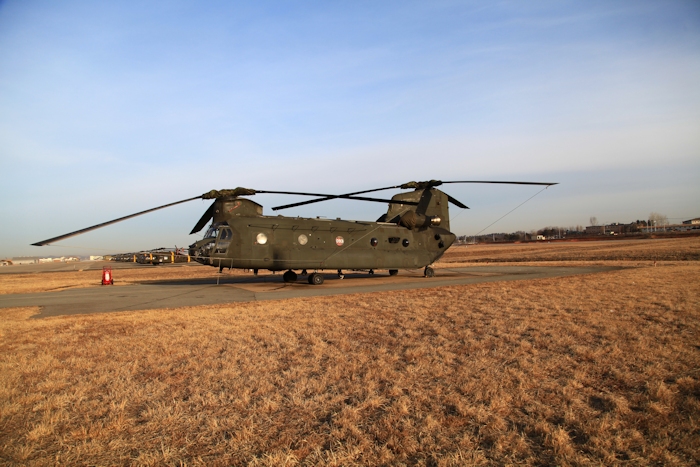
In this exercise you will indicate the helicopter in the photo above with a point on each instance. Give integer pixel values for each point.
(412, 234)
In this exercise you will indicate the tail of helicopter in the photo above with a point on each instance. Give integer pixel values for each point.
(428, 207)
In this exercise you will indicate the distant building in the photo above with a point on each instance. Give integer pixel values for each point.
(611, 229)
(25, 260)
(695, 221)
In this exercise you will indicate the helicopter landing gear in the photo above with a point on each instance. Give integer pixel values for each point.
(371, 272)
(289, 276)
(255, 271)
(303, 272)
(429, 272)
(316, 278)
(340, 274)
(393, 272)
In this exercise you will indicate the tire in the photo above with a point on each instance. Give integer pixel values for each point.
(289, 276)
(316, 279)
(393, 272)
(429, 272)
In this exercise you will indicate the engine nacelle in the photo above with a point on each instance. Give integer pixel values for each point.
(412, 220)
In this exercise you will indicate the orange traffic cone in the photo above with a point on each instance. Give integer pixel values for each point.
(107, 278)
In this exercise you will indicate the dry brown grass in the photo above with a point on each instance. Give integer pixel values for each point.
(599, 369)
(644, 250)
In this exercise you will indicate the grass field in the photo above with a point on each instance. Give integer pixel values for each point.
(629, 251)
(599, 369)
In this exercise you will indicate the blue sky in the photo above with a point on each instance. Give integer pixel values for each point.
(112, 108)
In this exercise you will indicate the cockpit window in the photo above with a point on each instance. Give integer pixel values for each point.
(224, 240)
(226, 234)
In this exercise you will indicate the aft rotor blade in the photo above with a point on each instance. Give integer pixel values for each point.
(325, 196)
(104, 224)
(456, 202)
(504, 183)
(347, 196)
(329, 197)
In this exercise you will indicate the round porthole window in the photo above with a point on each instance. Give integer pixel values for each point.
(261, 238)
(374, 242)
(405, 242)
(303, 239)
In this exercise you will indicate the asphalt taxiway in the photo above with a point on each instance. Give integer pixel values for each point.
(240, 288)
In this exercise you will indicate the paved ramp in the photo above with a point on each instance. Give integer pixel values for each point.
(194, 292)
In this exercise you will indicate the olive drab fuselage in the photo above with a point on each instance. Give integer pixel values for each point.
(407, 236)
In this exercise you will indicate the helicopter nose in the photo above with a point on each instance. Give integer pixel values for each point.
(201, 251)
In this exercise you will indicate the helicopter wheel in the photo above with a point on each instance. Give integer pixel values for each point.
(289, 276)
(316, 279)
(429, 272)
(393, 272)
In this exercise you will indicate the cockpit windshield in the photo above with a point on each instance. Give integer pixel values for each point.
(213, 231)
(224, 239)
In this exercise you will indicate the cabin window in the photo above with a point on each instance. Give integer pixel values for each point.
(374, 242)
(261, 239)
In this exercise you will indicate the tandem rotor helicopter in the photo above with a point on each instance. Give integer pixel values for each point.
(414, 232)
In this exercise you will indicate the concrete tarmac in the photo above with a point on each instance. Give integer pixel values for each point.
(194, 292)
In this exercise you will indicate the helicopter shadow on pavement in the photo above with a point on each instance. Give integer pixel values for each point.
(270, 282)
(276, 279)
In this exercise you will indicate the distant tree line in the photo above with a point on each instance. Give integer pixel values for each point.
(556, 232)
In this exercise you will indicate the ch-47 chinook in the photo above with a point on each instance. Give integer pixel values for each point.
(414, 232)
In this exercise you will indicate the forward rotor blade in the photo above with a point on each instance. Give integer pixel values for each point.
(104, 224)
(208, 214)
(293, 193)
(302, 203)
